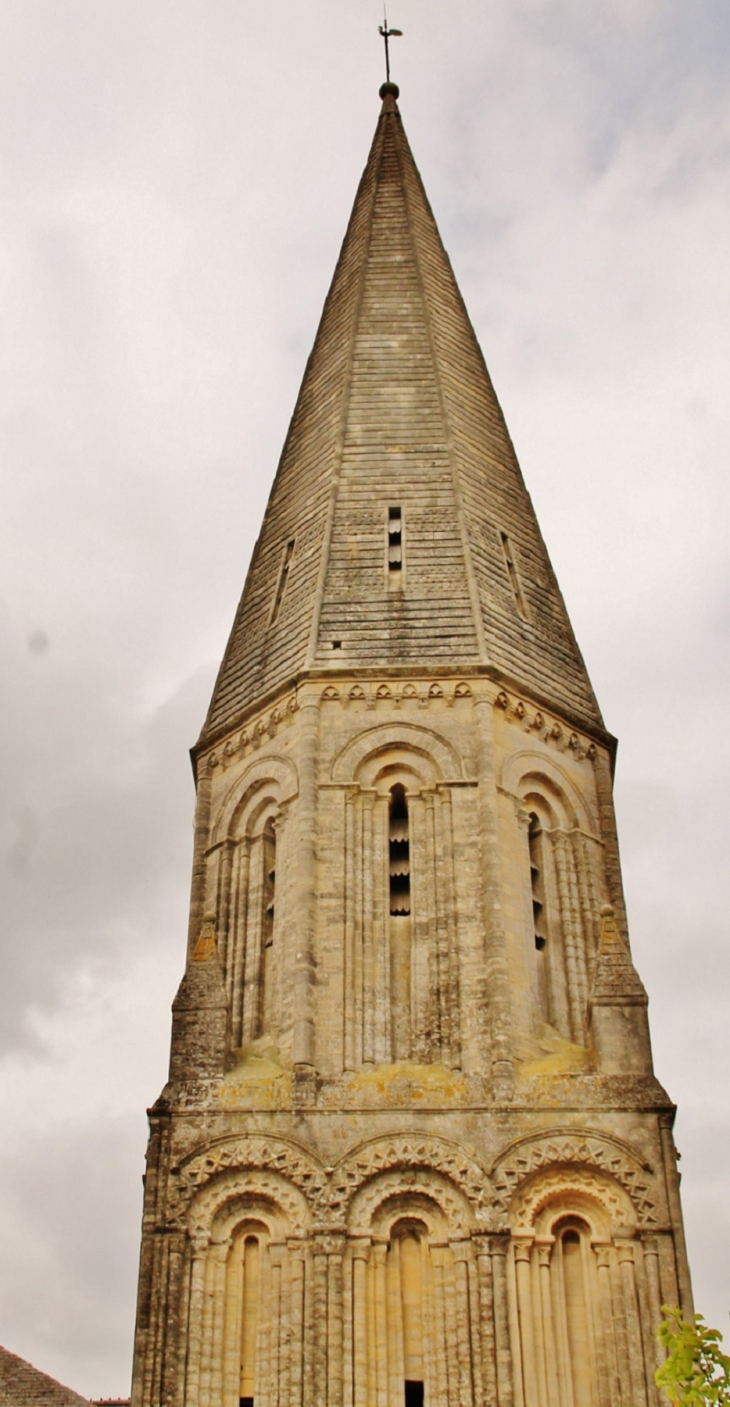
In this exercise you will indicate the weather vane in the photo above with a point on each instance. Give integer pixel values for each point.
(388, 34)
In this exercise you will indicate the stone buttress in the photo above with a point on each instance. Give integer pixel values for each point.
(412, 1150)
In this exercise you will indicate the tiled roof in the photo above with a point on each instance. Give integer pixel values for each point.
(22, 1385)
(397, 409)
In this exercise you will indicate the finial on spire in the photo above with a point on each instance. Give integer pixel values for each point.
(388, 34)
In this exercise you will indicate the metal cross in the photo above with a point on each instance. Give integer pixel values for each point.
(388, 34)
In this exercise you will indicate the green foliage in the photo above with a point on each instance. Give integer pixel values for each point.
(696, 1372)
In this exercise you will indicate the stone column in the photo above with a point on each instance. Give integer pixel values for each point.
(277, 1353)
(232, 1328)
(351, 995)
(297, 1311)
(368, 934)
(321, 1374)
(463, 1323)
(335, 1365)
(610, 1377)
(194, 1327)
(452, 986)
(267, 1327)
(571, 939)
(381, 989)
(166, 1381)
(252, 994)
(157, 1322)
(503, 1352)
(625, 1252)
(590, 903)
(360, 1254)
(224, 905)
(424, 940)
(486, 1316)
(651, 1313)
(183, 1329)
(432, 902)
(452, 1337)
(440, 1393)
(238, 955)
(543, 1251)
(380, 1321)
(523, 1256)
(306, 872)
(218, 1256)
(497, 993)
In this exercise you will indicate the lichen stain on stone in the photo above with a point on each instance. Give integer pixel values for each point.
(255, 1080)
(559, 1057)
(405, 1082)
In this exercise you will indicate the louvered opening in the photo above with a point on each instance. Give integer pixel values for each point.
(269, 885)
(534, 834)
(395, 540)
(399, 853)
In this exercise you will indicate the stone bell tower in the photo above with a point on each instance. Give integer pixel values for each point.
(411, 1150)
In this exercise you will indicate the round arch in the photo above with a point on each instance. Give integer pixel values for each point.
(529, 770)
(362, 757)
(275, 774)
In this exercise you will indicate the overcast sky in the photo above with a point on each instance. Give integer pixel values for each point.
(175, 181)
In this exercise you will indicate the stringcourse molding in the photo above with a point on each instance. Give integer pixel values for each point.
(258, 729)
(550, 730)
(424, 693)
(570, 1150)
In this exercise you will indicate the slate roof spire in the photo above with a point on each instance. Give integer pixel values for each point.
(397, 411)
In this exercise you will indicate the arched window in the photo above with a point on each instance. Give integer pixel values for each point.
(564, 886)
(251, 921)
(415, 1302)
(401, 949)
(572, 1266)
(562, 899)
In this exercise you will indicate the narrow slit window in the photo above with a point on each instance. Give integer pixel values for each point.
(395, 540)
(512, 573)
(399, 853)
(281, 586)
(535, 842)
(269, 885)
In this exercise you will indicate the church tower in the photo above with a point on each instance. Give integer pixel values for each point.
(411, 1152)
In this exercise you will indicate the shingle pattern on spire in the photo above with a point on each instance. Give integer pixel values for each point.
(22, 1385)
(396, 408)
